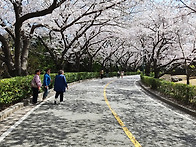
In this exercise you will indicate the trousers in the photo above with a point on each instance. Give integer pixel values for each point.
(45, 92)
(35, 94)
(61, 95)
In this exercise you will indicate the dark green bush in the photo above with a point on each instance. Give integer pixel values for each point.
(14, 90)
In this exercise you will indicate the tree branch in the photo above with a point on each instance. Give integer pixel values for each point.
(44, 12)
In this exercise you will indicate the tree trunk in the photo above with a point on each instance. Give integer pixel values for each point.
(90, 65)
(77, 64)
(156, 70)
(147, 69)
(24, 56)
(7, 57)
(17, 40)
(187, 76)
(156, 73)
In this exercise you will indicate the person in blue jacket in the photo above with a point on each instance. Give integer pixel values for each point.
(60, 85)
(46, 83)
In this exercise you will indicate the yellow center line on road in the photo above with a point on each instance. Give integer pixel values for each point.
(128, 133)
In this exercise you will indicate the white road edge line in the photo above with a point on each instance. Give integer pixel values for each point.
(2, 137)
(162, 104)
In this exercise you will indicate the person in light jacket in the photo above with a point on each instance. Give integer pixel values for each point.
(60, 85)
(46, 83)
(38, 83)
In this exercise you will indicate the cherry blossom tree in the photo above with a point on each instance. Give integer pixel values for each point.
(186, 34)
(157, 39)
(15, 20)
(68, 34)
(190, 5)
(89, 47)
(66, 41)
(186, 38)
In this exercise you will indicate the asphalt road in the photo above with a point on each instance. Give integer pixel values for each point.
(90, 116)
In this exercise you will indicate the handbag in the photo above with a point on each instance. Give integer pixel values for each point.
(33, 84)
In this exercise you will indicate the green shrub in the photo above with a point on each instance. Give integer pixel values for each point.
(181, 92)
(14, 89)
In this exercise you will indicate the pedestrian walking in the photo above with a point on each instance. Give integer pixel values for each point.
(46, 83)
(60, 85)
(118, 74)
(36, 85)
(122, 74)
(102, 74)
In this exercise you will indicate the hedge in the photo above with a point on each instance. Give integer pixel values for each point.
(181, 92)
(16, 89)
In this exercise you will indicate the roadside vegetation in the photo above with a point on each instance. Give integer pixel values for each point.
(180, 93)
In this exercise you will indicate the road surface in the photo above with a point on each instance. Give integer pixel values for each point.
(107, 112)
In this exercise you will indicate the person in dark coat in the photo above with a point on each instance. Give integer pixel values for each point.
(60, 85)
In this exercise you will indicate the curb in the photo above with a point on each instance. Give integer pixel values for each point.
(169, 102)
(8, 111)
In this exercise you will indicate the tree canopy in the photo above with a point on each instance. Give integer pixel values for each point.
(158, 36)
